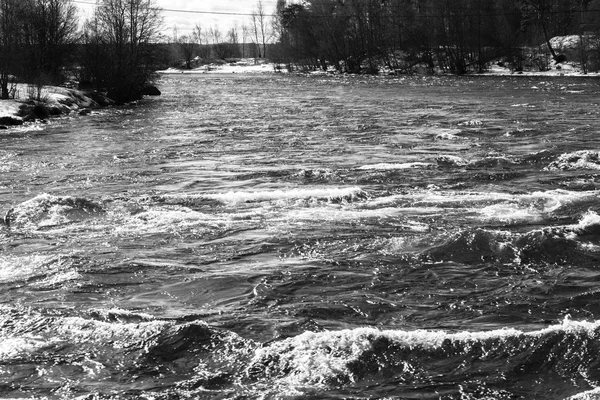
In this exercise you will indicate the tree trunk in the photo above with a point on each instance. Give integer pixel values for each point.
(5, 92)
(554, 56)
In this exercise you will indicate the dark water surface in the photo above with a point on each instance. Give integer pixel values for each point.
(282, 237)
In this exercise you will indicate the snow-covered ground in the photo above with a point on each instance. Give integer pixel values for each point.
(9, 108)
(244, 66)
(66, 100)
(562, 69)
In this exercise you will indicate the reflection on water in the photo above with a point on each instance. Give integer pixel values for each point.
(306, 237)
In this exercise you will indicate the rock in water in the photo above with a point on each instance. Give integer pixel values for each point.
(151, 91)
(9, 121)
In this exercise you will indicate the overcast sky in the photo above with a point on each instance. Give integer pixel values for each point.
(185, 14)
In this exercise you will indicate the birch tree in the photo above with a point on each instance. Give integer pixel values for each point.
(260, 27)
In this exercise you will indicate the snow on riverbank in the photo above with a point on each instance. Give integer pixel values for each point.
(55, 100)
(9, 108)
(244, 66)
(248, 67)
(563, 45)
(563, 69)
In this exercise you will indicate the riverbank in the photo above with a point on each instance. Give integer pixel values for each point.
(243, 66)
(564, 69)
(52, 101)
(250, 66)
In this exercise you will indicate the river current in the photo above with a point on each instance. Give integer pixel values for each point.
(307, 237)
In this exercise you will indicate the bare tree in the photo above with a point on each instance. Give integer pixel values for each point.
(126, 31)
(260, 26)
(9, 29)
(50, 31)
(233, 38)
(188, 48)
(219, 48)
(200, 36)
(215, 35)
(197, 34)
(245, 36)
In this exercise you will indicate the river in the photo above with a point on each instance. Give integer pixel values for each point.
(307, 237)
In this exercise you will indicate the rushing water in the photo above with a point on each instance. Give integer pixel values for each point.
(307, 237)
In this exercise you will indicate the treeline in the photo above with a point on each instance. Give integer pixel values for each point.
(457, 36)
(42, 43)
(36, 39)
(119, 48)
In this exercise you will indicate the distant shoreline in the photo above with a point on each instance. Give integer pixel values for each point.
(248, 67)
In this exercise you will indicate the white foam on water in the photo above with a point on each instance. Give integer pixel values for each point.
(315, 358)
(166, 219)
(323, 173)
(18, 268)
(343, 214)
(13, 347)
(121, 335)
(471, 123)
(447, 136)
(588, 220)
(593, 394)
(538, 202)
(510, 214)
(404, 244)
(582, 159)
(122, 313)
(327, 193)
(8, 166)
(49, 211)
(441, 198)
(60, 278)
(449, 160)
(33, 209)
(399, 166)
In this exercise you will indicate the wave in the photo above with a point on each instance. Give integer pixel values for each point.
(582, 159)
(543, 201)
(451, 161)
(400, 166)
(104, 344)
(485, 162)
(559, 244)
(593, 394)
(328, 194)
(317, 175)
(40, 271)
(349, 356)
(332, 195)
(46, 210)
(195, 358)
(165, 219)
(588, 224)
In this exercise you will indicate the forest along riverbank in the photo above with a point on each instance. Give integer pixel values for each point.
(307, 237)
